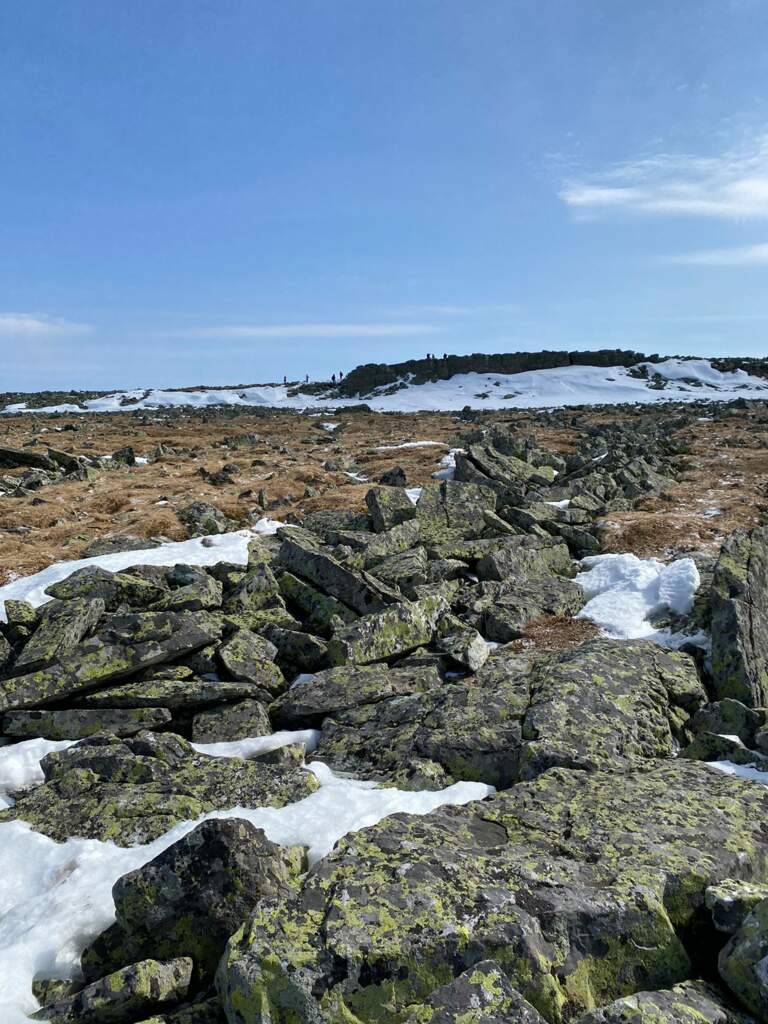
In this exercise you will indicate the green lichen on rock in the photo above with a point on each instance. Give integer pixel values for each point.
(577, 884)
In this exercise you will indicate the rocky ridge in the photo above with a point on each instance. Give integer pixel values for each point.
(612, 875)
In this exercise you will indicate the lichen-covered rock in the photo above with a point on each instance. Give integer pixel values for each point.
(405, 570)
(188, 900)
(577, 884)
(170, 693)
(503, 609)
(125, 996)
(202, 519)
(298, 651)
(481, 995)
(743, 962)
(453, 509)
(75, 724)
(201, 595)
(729, 717)
(347, 686)
(739, 600)
(62, 625)
(302, 556)
(235, 721)
(114, 589)
(258, 588)
(389, 506)
(691, 1002)
(133, 790)
(462, 643)
(249, 658)
(731, 901)
(320, 613)
(396, 630)
(525, 556)
(127, 644)
(607, 703)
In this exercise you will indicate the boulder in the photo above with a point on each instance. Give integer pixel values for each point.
(226, 722)
(739, 600)
(75, 724)
(188, 900)
(303, 557)
(388, 507)
(396, 630)
(202, 519)
(133, 790)
(480, 995)
(731, 901)
(580, 883)
(742, 962)
(127, 644)
(249, 658)
(306, 704)
(319, 612)
(691, 1002)
(525, 556)
(125, 996)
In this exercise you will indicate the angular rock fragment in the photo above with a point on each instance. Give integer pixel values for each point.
(739, 600)
(125, 996)
(301, 555)
(133, 790)
(742, 962)
(170, 693)
(62, 625)
(248, 657)
(481, 995)
(76, 724)
(525, 556)
(127, 644)
(204, 594)
(398, 629)
(236, 721)
(188, 900)
(337, 689)
(319, 612)
(389, 506)
(691, 1002)
(731, 901)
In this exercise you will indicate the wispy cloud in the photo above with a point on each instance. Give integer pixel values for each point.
(454, 311)
(732, 185)
(246, 331)
(33, 325)
(732, 256)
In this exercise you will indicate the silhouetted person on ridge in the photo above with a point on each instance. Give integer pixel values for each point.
(333, 378)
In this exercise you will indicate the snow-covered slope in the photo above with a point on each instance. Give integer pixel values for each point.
(670, 380)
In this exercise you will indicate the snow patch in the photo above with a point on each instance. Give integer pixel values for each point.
(624, 591)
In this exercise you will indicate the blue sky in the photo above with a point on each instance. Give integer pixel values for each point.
(224, 191)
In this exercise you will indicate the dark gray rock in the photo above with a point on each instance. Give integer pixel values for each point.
(76, 724)
(739, 600)
(125, 996)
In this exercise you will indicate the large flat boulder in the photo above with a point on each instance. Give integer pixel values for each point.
(580, 883)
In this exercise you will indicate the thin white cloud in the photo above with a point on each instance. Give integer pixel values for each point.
(245, 331)
(37, 325)
(733, 256)
(454, 311)
(733, 185)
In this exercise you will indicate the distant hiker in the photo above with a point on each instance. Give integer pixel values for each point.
(285, 379)
(341, 375)
(445, 357)
(306, 378)
(333, 378)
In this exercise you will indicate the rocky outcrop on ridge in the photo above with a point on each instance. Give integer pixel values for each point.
(613, 875)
